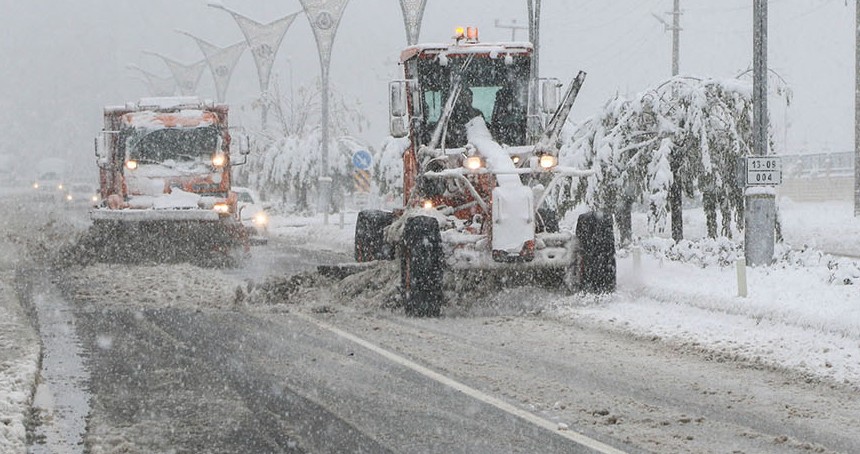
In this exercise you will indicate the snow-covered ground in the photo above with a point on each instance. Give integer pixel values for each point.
(799, 314)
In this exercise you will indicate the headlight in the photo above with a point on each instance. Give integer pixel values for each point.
(261, 219)
(35, 185)
(428, 204)
(69, 197)
(95, 198)
(473, 163)
(548, 161)
(59, 187)
(515, 159)
(221, 208)
(219, 159)
(131, 164)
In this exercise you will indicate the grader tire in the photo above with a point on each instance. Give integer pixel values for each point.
(421, 267)
(369, 236)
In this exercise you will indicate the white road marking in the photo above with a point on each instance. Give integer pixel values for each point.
(471, 392)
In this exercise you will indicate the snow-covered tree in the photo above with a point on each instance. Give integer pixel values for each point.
(285, 159)
(388, 166)
(681, 137)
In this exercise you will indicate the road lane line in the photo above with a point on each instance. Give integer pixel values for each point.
(576, 437)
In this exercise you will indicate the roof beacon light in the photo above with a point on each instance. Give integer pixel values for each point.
(459, 33)
(472, 34)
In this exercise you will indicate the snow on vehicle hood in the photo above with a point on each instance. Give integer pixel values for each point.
(496, 157)
(160, 120)
(177, 199)
(513, 202)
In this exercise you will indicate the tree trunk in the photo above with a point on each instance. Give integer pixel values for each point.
(676, 199)
(624, 221)
(726, 211)
(709, 204)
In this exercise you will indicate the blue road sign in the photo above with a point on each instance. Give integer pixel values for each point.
(362, 160)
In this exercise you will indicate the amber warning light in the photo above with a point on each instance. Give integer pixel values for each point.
(468, 33)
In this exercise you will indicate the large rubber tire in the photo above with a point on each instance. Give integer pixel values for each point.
(597, 249)
(421, 267)
(370, 241)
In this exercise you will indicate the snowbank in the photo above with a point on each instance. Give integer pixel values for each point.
(19, 359)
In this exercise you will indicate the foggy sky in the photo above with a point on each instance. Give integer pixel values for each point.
(62, 61)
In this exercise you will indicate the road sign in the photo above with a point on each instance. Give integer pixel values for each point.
(362, 160)
(362, 181)
(764, 170)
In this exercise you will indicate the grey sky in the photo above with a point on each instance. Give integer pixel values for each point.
(64, 60)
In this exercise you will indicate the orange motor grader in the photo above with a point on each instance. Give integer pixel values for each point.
(482, 158)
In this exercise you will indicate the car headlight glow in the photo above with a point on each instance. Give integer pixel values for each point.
(515, 159)
(219, 159)
(95, 198)
(69, 197)
(131, 164)
(428, 204)
(35, 185)
(261, 219)
(60, 187)
(548, 161)
(221, 208)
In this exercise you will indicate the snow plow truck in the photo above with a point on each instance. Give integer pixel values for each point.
(482, 159)
(164, 183)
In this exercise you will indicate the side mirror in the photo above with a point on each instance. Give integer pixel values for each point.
(398, 108)
(397, 105)
(550, 95)
(244, 145)
(398, 128)
(102, 147)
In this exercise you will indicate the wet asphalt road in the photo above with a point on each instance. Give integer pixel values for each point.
(228, 381)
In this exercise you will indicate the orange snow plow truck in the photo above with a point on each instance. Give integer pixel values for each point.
(164, 174)
(478, 170)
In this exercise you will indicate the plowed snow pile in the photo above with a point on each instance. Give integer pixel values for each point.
(377, 287)
(175, 285)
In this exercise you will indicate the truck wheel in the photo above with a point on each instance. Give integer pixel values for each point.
(369, 236)
(597, 252)
(421, 265)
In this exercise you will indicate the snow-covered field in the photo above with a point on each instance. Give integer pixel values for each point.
(799, 314)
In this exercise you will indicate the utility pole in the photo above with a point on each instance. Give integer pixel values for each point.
(324, 17)
(513, 25)
(857, 110)
(760, 211)
(534, 120)
(675, 27)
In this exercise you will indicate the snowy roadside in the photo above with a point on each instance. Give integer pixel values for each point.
(19, 360)
(798, 314)
(792, 319)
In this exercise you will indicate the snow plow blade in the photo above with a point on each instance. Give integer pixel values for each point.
(343, 270)
(204, 242)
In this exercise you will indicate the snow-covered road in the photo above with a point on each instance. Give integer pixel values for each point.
(672, 362)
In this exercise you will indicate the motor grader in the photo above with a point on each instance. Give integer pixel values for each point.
(481, 163)
(165, 184)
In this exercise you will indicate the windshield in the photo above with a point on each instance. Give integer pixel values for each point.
(492, 89)
(244, 197)
(177, 144)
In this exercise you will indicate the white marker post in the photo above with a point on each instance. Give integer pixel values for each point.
(742, 277)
